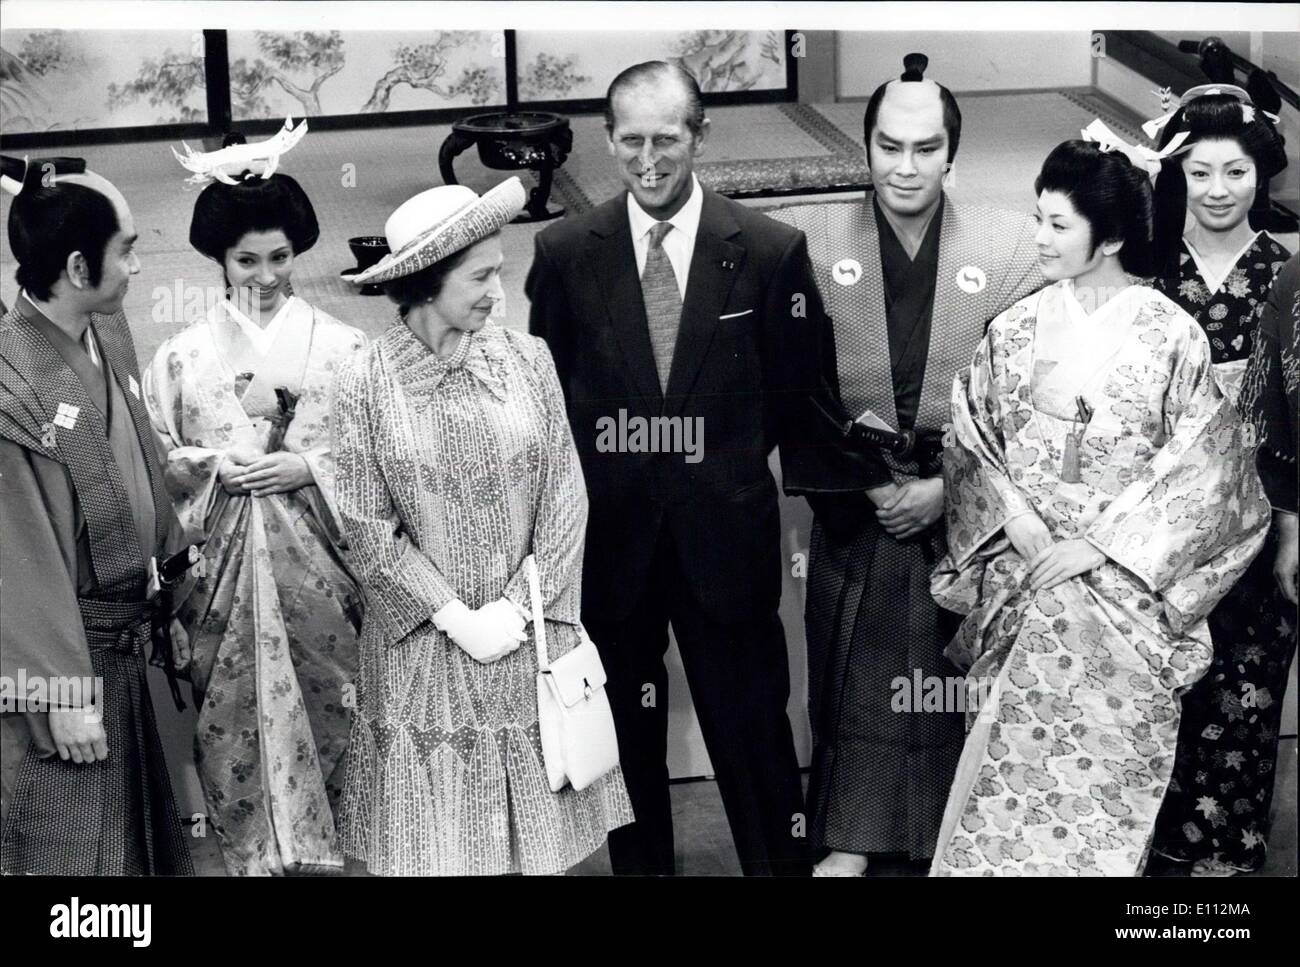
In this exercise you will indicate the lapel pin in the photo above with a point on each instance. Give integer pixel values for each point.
(971, 279)
(846, 271)
(66, 416)
(728, 264)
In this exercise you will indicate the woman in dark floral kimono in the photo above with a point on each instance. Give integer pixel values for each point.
(1219, 270)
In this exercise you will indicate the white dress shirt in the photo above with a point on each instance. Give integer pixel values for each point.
(679, 244)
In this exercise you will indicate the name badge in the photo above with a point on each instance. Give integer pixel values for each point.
(66, 415)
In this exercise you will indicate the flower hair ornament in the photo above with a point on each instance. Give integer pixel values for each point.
(225, 165)
(1145, 158)
(1153, 127)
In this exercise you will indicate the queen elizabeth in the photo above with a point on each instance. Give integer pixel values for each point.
(455, 463)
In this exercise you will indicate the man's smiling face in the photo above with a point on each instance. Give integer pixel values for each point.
(653, 146)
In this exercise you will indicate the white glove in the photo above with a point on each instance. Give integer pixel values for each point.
(486, 635)
(505, 616)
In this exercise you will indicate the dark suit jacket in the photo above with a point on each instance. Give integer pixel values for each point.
(750, 351)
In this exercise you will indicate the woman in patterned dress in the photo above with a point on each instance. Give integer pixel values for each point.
(455, 462)
(241, 402)
(1100, 498)
(1219, 270)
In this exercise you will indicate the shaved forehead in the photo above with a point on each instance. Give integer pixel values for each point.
(911, 112)
(97, 182)
(913, 95)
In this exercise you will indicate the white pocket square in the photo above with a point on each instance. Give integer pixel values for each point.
(735, 315)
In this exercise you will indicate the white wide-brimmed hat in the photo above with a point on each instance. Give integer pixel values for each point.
(439, 222)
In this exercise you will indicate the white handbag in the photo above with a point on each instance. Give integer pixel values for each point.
(579, 744)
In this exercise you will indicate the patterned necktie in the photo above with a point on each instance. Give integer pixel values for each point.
(663, 301)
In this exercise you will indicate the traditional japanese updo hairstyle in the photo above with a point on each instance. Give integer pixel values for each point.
(1210, 117)
(1109, 191)
(223, 214)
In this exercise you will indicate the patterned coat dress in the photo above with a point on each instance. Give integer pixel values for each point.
(1072, 746)
(1219, 797)
(273, 619)
(902, 329)
(451, 471)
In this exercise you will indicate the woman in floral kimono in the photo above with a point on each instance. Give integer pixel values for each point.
(241, 401)
(1219, 270)
(1100, 501)
(455, 464)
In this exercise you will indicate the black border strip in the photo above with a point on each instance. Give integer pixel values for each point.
(512, 72)
(1153, 57)
(95, 136)
(1164, 62)
(167, 132)
(216, 70)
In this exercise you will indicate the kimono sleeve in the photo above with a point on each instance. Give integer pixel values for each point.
(1191, 523)
(560, 524)
(980, 494)
(42, 635)
(403, 587)
(191, 472)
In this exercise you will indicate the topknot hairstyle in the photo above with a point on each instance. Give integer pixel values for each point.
(914, 66)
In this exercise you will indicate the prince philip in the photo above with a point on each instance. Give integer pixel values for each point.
(673, 301)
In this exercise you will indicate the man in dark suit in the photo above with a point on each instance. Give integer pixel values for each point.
(671, 303)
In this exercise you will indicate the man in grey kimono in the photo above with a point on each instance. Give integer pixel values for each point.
(85, 520)
(911, 279)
